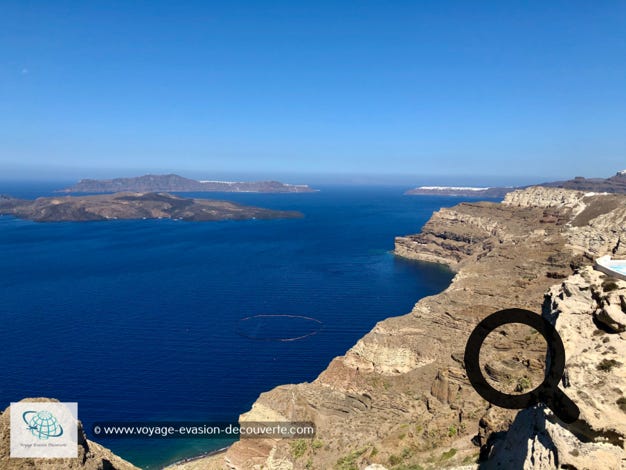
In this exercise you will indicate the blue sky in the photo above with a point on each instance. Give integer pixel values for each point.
(439, 90)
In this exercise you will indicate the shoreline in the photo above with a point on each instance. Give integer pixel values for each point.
(195, 458)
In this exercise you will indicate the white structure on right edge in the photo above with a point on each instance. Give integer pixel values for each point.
(612, 267)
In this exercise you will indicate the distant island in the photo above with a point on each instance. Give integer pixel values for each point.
(461, 191)
(128, 205)
(614, 184)
(176, 183)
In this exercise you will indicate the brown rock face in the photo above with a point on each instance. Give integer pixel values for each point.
(400, 395)
(91, 456)
(513, 358)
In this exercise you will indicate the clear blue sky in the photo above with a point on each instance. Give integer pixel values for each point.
(475, 88)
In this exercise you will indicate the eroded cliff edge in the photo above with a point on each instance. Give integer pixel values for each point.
(400, 395)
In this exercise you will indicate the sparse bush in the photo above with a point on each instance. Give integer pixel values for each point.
(522, 384)
(317, 444)
(452, 431)
(607, 365)
(298, 448)
(348, 462)
(448, 454)
(470, 459)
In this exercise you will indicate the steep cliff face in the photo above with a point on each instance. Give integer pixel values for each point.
(91, 456)
(400, 395)
(596, 221)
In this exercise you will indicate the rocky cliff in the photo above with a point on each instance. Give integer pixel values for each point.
(400, 397)
(588, 310)
(91, 456)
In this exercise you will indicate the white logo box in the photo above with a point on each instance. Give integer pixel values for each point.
(44, 430)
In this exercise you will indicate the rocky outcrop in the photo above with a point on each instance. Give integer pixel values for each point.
(400, 396)
(536, 441)
(91, 456)
(133, 206)
(596, 222)
(546, 197)
(595, 348)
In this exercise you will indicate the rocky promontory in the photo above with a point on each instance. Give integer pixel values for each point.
(176, 183)
(133, 206)
(400, 397)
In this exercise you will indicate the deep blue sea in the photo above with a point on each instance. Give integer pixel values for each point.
(142, 320)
